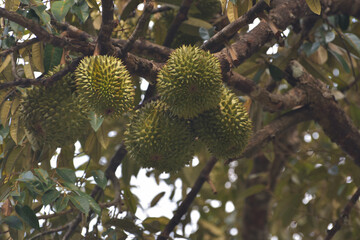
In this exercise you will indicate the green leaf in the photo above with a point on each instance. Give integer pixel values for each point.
(156, 199)
(276, 73)
(68, 175)
(192, 26)
(41, 13)
(95, 120)
(28, 215)
(314, 6)
(27, 176)
(17, 131)
(127, 224)
(129, 8)
(50, 196)
(5, 110)
(155, 224)
(354, 41)
(61, 203)
(81, 10)
(5, 63)
(99, 177)
(130, 200)
(70, 186)
(81, 203)
(52, 56)
(13, 222)
(341, 60)
(252, 190)
(37, 52)
(41, 174)
(93, 204)
(93, 4)
(60, 8)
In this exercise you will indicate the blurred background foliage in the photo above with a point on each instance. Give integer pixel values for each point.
(313, 186)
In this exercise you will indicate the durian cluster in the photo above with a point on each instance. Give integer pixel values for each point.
(57, 115)
(194, 104)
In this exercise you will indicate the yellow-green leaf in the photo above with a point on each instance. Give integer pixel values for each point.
(267, 2)
(17, 131)
(223, 5)
(4, 113)
(232, 12)
(15, 105)
(5, 63)
(38, 56)
(28, 69)
(12, 158)
(314, 6)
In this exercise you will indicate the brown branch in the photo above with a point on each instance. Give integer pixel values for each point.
(344, 215)
(25, 82)
(180, 17)
(107, 26)
(18, 46)
(183, 208)
(161, 9)
(270, 131)
(230, 30)
(325, 110)
(41, 33)
(272, 102)
(50, 231)
(140, 26)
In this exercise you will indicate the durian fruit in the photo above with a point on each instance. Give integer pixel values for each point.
(226, 129)
(52, 114)
(104, 84)
(155, 138)
(190, 82)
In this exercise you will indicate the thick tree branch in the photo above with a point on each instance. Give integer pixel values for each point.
(140, 26)
(107, 26)
(272, 102)
(344, 215)
(184, 206)
(332, 118)
(270, 131)
(230, 30)
(180, 17)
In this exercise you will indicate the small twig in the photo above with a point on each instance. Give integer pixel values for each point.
(18, 46)
(180, 17)
(50, 231)
(56, 214)
(184, 206)
(213, 188)
(344, 215)
(140, 27)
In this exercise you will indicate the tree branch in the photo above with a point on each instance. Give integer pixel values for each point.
(270, 131)
(184, 206)
(344, 215)
(332, 118)
(180, 17)
(107, 26)
(272, 102)
(140, 26)
(41, 33)
(230, 30)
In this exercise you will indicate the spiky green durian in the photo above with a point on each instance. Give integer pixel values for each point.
(52, 114)
(226, 129)
(190, 82)
(155, 138)
(105, 85)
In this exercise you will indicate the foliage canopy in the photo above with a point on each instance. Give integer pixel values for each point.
(296, 70)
